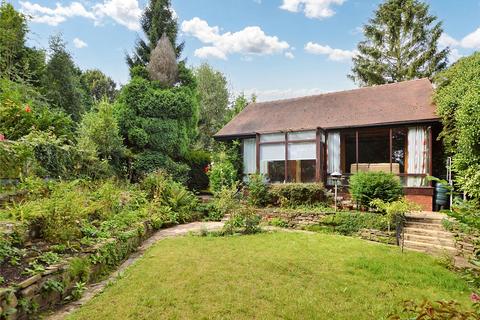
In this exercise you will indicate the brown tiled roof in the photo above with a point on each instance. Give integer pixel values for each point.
(404, 102)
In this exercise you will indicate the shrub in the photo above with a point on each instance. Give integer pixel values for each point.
(151, 161)
(222, 173)
(224, 202)
(395, 210)
(367, 186)
(278, 222)
(257, 191)
(244, 221)
(296, 194)
(349, 223)
(197, 177)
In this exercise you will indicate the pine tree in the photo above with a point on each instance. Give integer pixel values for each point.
(163, 63)
(157, 19)
(401, 44)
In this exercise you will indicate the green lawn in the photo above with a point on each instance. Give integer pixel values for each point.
(271, 276)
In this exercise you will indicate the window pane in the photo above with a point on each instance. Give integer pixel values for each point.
(249, 156)
(302, 135)
(302, 151)
(374, 150)
(301, 170)
(272, 137)
(272, 161)
(399, 150)
(272, 152)
(348, 152)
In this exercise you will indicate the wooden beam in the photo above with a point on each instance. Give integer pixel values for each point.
(317, 154)
(391, 149)
(356, 148)
(257, 153)
(286, 157)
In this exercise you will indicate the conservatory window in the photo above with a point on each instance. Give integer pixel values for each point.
(272, 161)
(302, 162)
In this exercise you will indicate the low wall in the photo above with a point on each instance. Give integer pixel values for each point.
(36, 294)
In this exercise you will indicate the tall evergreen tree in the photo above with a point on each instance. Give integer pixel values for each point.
(158, 18)
(61, 83)
(401, 44)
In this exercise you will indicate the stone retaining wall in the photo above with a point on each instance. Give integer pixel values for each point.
(294, 220)
(31, 296)
(378, 236)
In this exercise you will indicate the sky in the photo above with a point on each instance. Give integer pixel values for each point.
(274, 48)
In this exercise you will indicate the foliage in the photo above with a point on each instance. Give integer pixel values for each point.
(349, 223)
(157, 19)
(394, 210)
(213, 98)
(222, 172)
(23, 110)
(224, 202)
(79, 269)
(13, 30)
(9, 253)
(438, 310)
(198, 161)
(295, 194)
(162, 66)
(77, 291)
(52, 285)
(466, 212)
(244, 220)
(157, 122)
(61, 83)
(258, 194)
(367, 186)
(278, 222)
(150, 161)
(98, 85)
(401, 44)
(457, 103)
(98, 131)
(240, 103)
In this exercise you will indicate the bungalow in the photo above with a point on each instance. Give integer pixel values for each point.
(390, 128)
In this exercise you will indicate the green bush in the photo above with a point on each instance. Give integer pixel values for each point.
(198, 162)
(243, 221)
(224, 202)
(395, 211)
(297, 194)
(349, 223)
(367, 186)
(221, 173)
(257, 191)
(151, 161)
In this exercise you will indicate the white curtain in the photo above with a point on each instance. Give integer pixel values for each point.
(249, 157)
(417, 155)
(302, 151)
(271, 152)
(333, 153)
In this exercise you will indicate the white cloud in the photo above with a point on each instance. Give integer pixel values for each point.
(124, 12)
(318, 9)
(289, 55)
(472, 40)
(249, 41)
(447, 41)
(79, 43)
(333, 54)
(57, 15)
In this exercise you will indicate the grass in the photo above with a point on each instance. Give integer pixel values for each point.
(272, 276)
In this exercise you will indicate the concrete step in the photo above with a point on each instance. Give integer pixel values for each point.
(427, 232)
(429, 248)
(448, 242)
(425, 226)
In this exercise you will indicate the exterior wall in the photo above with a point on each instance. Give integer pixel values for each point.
(421, 196)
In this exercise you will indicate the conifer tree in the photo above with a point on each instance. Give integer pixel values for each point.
(401, 44)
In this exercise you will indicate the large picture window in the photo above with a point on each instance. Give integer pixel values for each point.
(290, 157)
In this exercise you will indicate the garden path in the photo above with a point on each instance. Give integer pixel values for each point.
(96, 288)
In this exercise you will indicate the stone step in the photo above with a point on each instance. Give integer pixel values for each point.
(426, 226)
(433, 220)
(429, 248)
(448, 242)
(427, 232)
